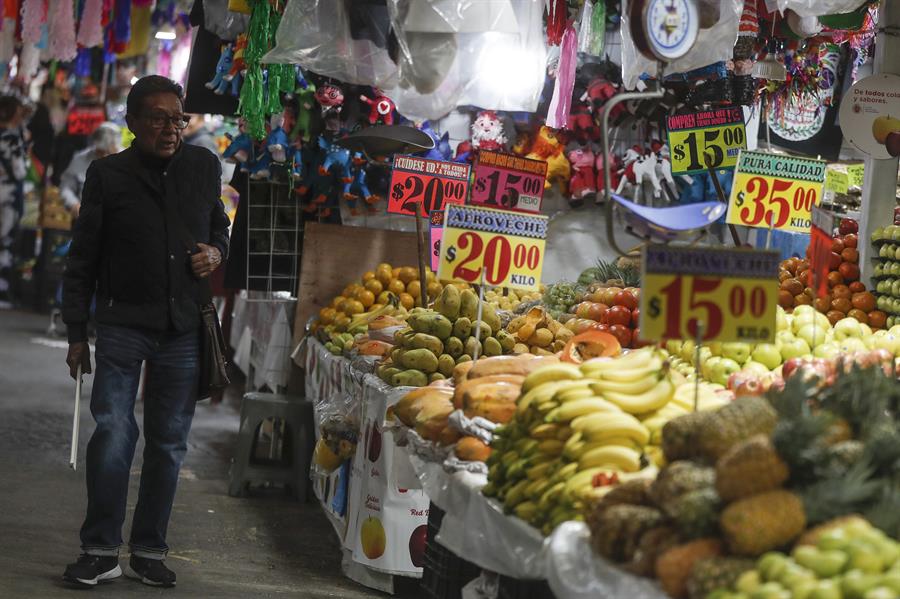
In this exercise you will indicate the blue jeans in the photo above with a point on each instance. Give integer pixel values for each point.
(169, 400)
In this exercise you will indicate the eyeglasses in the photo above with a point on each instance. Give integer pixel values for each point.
(159, 121)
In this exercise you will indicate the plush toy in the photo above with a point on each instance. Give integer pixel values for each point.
(463, 152)
(238, 66)
(320, 184)
(336, 162)
(638, 167)
(596, 95)
(441, 149)
(615, 173)
(277, 142)
(331, 98)
(241, 149)
(664, 170)
(306, 99)
(581, 122)
(487, 132)
(381, 108)
(358, 188)
(218, 83)
(583, 181)
(548, 147)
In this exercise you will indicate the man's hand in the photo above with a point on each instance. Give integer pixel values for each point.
(79, 353)
(206, 260)
(75, 209)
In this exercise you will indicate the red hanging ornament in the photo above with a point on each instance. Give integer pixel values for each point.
(557, 17)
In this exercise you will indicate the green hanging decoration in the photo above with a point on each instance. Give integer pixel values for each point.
(275, 82)
(252, 105)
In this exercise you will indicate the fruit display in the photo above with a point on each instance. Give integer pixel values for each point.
(437, 339)
(578, 429)
(512, 299)
(886, 278)
(609, 309)
(538, 333)
(847, 295)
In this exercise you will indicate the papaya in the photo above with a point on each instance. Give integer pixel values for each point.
(432, 418)
(484, 331)
(471, 449)
(431, 323)
(435, 377)
(409, 378)
(448, 302)
(461, 370)
(462, 387)
(468, 304)
(374, 348)
(426, 341)
(507, 341)
(462, 328)
(454, 347)
(419, 359)
(492, 347)
(446, 364)
(412, 403)
(517, 365)
(473, 347)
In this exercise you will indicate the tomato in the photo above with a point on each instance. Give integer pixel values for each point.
(625, 298)
(596, 311)
(635, 318)
(618, 315)
(622, 333)
(637, 342)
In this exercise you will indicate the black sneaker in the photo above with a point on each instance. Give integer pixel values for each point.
(151, 571)
(91, 569)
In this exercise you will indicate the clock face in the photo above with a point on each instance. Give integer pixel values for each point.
(671, 27)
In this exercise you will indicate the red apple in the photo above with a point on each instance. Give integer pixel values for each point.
(417, 542)
(848, 225)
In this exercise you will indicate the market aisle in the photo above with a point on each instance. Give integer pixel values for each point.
(222, 547)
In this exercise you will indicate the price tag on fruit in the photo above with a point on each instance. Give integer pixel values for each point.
(719, 134)
(499, 247)
(820, 250)
(775, 191)
(509, 182)
(429, 184)
(435, 233)
(720, 294)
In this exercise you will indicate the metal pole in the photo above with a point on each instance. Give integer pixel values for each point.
(421, 245)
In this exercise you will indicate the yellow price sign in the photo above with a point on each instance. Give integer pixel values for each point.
(717, 135)
(496, 247)
(688, 293)
(775, 191)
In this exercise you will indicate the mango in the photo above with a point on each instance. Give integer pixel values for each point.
(397, 354)
(492, 347)
(468, 304)
(426, 341)
(473, 347)
(420, 359)
(463, 358)
(520, 348)
(446, 363)
(448, 302)
(409, 378)
(462, 328)
(388, 373)
(431, 323)
(507, 341)
(490, 316)
(454, 347)
(541, 338)
(436, 376)
(484, 331)
(401, 334)
(515, 324)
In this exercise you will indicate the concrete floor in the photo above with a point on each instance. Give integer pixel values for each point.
(264, 546)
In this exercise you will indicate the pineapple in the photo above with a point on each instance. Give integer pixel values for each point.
(632, 492)
(744, 417)
(652, 544)
(679, 478)
(713, 573)
(754, 525)
(750, 467)
(616, 531)
(674, 566)
(696, 513)
(680, 435)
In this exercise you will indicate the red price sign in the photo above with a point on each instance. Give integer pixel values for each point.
(429, 184)
(509, 182)
(436, 233)
(820, 250)
(84, 120)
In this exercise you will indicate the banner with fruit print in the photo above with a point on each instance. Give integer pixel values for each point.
(390, 526)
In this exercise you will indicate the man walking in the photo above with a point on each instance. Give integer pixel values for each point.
(132, 256)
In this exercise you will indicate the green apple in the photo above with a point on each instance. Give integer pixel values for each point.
(812, 333)
(794, 573)
(705, 355)
(707, 366)
(856, 583)
(715, 347)
(723, 369)
(802, 589)
(755, 368)
(890, 580)
(864, 557)
(877, 234)
(739, 352)
(687, 351)
(673, 346)
(797, 348)
(852, 345)
(880, 593)
(771, 565)
(895, 288)
(771, 590)
(803, 309)
(748, 582)
(824, 563)
(766, 354)
(866, 329)
(835, 538)
(829, 350)
(826, 589)
(846, 328)
(781, 319)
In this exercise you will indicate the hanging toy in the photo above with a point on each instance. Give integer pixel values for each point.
(381, 108)
(638, 167)
(240, 150)
(277, 142)
(252, 105)
(357, 187)
(331, 98)
(90, 29)
(441, 149)
(583, 181)
(561, 102)
(305, 97)
(548, 147)
(488, 133)
(321, 187)
(238, 64)
(337, 163)
(218, 83)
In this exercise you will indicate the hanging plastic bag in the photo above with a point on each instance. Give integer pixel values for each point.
(816, 8)
(455, 52)
(713, 45)
(317, 35)
(222, 22)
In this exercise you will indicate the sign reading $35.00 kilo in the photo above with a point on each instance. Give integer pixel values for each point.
(497, 247)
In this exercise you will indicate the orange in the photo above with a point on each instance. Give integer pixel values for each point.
(407, 274)
(407, 301)
(354, 307)
(342, 305)
(383, 274)
(395, 273)
(326, 315)
(365, 297)
(341, 321)
(336, 300)
(413, 288)
(434, 289)
(368, 275)
(396, 286)
(375, 286)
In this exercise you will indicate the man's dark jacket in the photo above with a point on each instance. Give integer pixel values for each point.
(121, 247)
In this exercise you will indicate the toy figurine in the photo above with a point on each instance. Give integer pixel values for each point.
(238, 67)
(664, 170)
(358, 188)
(614, 174)
(441, 149)
(381, 108)
(241, 149)
(331, 98)
(581, 122)
(487, 132)
(219, 84)
(306, 98)
(549, 148)
(277, 142)
(638, 167)
(336, 162)
(463, 152)
(583, 181)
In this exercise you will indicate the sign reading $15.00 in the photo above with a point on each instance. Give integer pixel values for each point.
(496, 247)
(717, 135)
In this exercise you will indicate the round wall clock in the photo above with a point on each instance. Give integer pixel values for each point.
(664, 29)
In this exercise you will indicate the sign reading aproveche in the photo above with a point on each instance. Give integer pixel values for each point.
(719, 133)
(427, 184)
(497, 247)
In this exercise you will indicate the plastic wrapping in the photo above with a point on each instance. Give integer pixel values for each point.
(224, 23)
(457, 52)
(575, 572)
(478, 427)
(317, 35)
(713, 45)
(815, 8)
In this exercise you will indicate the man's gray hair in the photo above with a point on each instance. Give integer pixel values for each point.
(107, 136)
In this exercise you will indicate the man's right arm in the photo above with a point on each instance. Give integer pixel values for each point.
(80, 278)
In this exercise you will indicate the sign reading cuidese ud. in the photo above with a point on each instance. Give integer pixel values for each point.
(426, 184)
(718, 134)
(497, 247)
